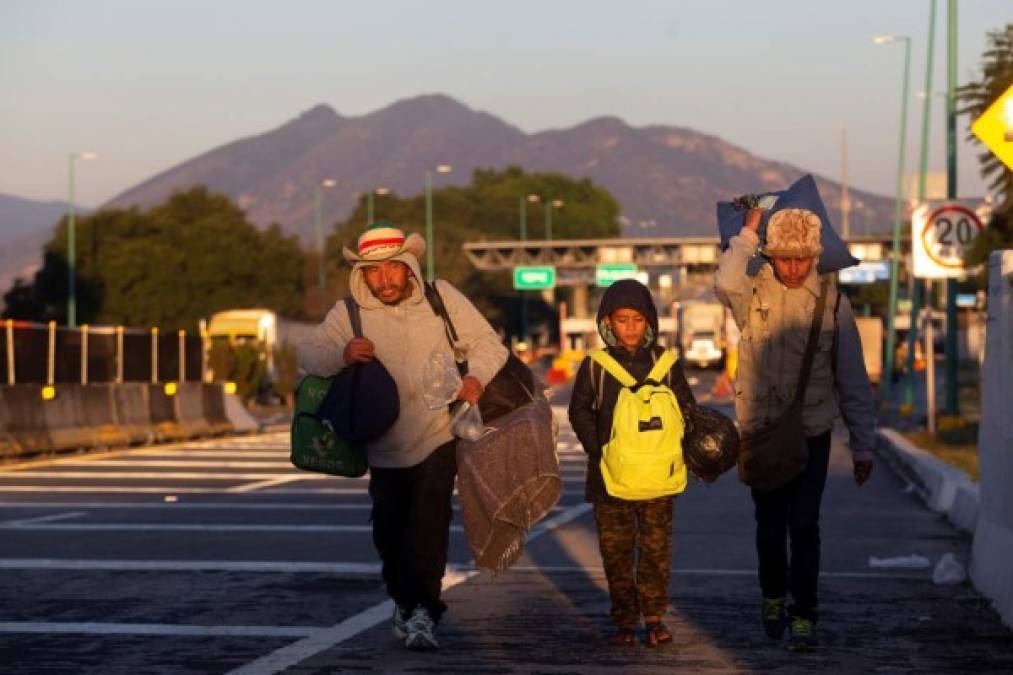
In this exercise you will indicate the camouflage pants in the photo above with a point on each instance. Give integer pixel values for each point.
(635, 539)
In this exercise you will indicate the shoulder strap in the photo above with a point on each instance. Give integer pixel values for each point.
(837, 330)
(810, 345)
(353, 316)
(605, 360)
(439, 309)
(662, 366)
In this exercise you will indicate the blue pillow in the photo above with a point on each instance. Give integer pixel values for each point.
(801, 195)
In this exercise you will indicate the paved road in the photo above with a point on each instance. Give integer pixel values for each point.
(217, 556)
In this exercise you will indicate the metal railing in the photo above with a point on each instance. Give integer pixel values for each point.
(50, 354)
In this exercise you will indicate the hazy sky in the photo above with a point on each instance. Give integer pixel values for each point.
(148, 84)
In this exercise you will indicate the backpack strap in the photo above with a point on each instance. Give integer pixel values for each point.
(810, 347)
(661, 367)
(353, 316)
(605, 360)
(837, 331)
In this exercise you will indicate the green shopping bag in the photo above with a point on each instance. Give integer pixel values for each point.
(314, 446)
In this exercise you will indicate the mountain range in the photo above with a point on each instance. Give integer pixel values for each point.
(25, 226)
(666, 179)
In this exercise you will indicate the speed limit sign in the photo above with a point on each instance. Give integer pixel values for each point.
(941, 233)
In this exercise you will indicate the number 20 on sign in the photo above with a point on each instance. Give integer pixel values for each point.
(940, 236)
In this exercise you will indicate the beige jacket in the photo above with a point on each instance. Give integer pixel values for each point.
(404, 336)
(775, 322)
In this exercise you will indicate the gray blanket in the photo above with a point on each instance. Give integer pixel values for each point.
(507, 481)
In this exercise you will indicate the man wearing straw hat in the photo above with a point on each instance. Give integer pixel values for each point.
(412, 467)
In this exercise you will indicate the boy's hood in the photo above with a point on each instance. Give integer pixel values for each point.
(627, 294)
(365, 298)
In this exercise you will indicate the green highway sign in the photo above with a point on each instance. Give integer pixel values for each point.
(534, 278)
(606, 275)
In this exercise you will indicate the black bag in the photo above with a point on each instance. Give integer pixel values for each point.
(510, 388)
(711, 444)
(774, 455)
(362, 402)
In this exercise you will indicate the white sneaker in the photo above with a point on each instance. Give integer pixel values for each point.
(420, 631)
(397, 626)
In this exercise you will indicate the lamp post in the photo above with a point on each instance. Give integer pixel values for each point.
(430, 264)
(952, 405)
(916, 285)
(71, 243)
(549, 206)
(317, 208)
(898, 201)
(381, 191)
(523, 201)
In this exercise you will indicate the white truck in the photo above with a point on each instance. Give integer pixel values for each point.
(701, 332)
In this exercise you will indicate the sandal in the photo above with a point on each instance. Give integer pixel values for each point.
(623, 637)
(657, 635)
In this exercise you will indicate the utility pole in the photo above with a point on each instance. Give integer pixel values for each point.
(951, 404)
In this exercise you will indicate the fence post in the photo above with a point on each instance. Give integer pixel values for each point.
(119, 354)
(10, 351)
(202, 328)
(84, 354)
(182, 356)
(154, 355)
(51, 365)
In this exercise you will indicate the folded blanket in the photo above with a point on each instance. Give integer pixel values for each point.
(506, 482)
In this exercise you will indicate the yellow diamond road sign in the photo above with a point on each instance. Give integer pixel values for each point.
(995, 128)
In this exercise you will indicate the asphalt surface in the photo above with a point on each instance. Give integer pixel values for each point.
(217, 556)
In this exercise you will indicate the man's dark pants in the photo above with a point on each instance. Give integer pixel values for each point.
(411, 528)
(793, 511)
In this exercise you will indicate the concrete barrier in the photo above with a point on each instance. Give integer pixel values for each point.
(162, 410)
(992, 553)
(213, 406)
(130, 402)
(105, 415)
(239, 417)
(945, 489)
(189, 402)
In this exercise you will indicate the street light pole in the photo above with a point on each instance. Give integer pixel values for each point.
(952, 405)
(71, 243)
(430, 242)
(317, 209)
(369, 208)
(923, 167)
(898, 204)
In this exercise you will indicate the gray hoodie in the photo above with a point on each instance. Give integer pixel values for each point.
(404, 336)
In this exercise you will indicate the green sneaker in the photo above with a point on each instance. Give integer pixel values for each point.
(802, 637)
(774, 618)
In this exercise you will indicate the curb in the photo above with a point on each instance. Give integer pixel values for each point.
(943, 488)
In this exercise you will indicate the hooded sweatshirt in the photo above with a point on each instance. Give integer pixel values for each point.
(404, 336)
(593, 425)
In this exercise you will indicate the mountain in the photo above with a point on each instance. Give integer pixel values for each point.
(25, 226)
(667, 179)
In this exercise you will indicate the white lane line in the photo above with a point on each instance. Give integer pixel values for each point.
(42, 519)
(576, 569)
(172, 489)
(292, 654)
(259, 485)
(191, 527)
(176, 475)
(184, 463)
(203, 506)
(371, 569)
(90, 628)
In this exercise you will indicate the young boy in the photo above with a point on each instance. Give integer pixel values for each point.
(635, 536)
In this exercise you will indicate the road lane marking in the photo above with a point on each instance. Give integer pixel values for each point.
(42, 519)
(176, 475)
(296, 652)
(259, 485)
(90, 628)
(172, 489)
(189, 463)
(371, 569)
(190, 527)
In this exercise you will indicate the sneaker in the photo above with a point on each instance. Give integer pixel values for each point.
(774, 618)
(397, 626)
(420, 630)
(802, 637)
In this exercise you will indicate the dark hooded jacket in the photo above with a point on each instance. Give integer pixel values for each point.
(592, 425)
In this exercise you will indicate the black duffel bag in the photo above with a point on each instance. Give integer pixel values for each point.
(362, 402)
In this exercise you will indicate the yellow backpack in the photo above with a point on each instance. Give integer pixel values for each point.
(643, 456)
